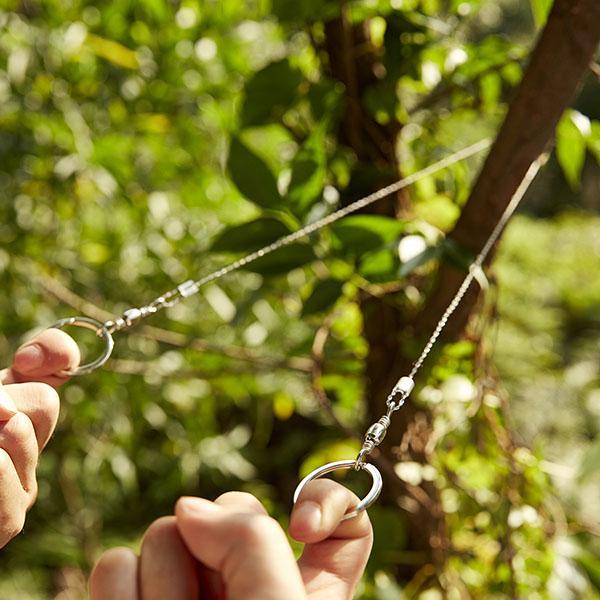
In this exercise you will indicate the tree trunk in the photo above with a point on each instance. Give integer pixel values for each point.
(558, 64)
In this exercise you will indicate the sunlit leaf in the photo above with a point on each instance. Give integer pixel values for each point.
(439, 211)
(540, 10)
(113, 51)
(570, 148)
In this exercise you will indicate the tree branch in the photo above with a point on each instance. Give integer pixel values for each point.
(558, 63)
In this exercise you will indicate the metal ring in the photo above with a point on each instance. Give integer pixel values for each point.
(101, 331)
(347, 464)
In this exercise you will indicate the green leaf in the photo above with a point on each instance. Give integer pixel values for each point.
(439, 211)
(540, 10)
(424, 257)
(252, 176)
(269, 93)
(490, 86)
(380, 265)
(283, 260)
(250, 236)
(570, 148)
(308, 172)
(361, 233)
(323, 296)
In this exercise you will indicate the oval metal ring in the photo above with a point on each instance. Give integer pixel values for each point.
(101, 331)
(347, 464)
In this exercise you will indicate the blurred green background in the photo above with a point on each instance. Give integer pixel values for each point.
(138, 139)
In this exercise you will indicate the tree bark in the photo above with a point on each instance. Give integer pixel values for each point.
(557, 66)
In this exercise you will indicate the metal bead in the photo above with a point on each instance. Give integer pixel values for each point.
(132, 316)
(376, 433)
(187, 288)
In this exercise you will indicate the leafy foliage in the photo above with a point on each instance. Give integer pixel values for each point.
(142, 143)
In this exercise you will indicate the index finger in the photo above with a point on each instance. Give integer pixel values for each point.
(248, 549)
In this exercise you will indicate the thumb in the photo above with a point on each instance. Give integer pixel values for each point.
(336, 551)
(44, 358)
(248, 549)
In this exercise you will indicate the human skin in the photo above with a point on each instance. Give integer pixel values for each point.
(206, 549)
(231, 548)
(29, 407)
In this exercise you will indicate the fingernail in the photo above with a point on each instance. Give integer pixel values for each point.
(198, 506)
(28, 358)
(7, 407)
(309, 514)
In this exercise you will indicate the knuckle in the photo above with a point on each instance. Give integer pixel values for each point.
(326, 493)
(47, 396)
(21, 425)
(235, 496)
(111, 559)
(19, 431)
(259, 527)
(241, 499)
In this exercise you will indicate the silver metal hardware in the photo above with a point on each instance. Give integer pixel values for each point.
(133, 316)
(373, 438)
(347, 464)
(101, 331)
(187, 288)
(405, 385)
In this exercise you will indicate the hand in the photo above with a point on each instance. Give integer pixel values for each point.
(28, 415)
(231, 548)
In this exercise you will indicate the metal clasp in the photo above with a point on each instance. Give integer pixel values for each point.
(378, 430)
(373, 438)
